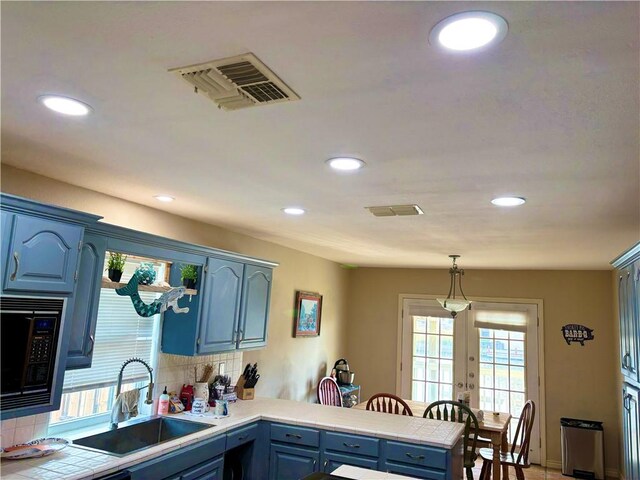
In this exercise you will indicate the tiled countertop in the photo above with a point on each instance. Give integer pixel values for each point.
(75, 463)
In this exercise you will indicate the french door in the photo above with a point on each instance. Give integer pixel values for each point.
(489, 353)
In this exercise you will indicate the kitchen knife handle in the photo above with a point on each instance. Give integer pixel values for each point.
(17, 261)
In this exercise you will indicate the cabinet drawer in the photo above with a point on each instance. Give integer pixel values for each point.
(416, 455)
(331, 461)
(296, 435)
(417, 472)
(211, 469)
(344, 442)
(241, 436)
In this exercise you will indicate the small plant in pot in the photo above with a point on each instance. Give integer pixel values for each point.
(116, 266)
(189, 275)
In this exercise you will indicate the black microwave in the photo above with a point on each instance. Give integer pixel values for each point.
(30, 337)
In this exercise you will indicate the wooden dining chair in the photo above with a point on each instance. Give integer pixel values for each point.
(388, 403)
(521, 440)
(329, 392)
(451, 411)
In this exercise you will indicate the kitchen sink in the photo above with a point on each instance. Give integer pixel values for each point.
(140, 435)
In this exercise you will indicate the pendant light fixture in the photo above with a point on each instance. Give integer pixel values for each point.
(451, 303)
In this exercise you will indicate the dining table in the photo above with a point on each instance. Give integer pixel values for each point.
(493, 427)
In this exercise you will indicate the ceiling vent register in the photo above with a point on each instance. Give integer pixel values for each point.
(395, 210)
(237, 82)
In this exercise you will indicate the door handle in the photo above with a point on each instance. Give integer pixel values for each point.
(240, 335)
(324, 465)
(16, 259)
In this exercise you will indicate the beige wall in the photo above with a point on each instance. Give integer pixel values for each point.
(290, 367)
(580, 381)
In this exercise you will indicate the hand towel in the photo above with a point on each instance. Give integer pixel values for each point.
(125, 406)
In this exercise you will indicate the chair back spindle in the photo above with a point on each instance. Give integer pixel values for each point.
(388, 403)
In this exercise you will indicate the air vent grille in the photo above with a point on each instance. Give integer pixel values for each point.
(237, 82)
(395, 210)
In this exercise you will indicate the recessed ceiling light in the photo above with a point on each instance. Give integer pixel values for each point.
(65, 105)
(345, 164)
(469, 31)
(508, 201)
(294, 211)
(164, 198)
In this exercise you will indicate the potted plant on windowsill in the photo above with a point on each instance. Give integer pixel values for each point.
(189, 275)
(116, 266)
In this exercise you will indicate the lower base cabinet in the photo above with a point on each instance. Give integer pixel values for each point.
(292, 463)
(277, 451)
(631, 431)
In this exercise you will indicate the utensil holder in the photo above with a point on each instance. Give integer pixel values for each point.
(244, 393)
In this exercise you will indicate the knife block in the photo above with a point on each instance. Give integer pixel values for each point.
(244, 393)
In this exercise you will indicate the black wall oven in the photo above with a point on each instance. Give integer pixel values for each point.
(30, 337)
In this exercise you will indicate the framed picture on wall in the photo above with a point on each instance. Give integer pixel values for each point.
(308, 312)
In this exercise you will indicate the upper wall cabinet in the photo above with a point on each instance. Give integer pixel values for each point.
(43, 255)
(628, 266)
(234, 311)
(86, 299)
(254, 313)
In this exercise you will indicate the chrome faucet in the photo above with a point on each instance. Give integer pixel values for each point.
(149, 399)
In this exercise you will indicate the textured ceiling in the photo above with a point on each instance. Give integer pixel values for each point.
(551, 114)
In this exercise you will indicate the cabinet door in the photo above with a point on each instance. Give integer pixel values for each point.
(634, 317)
(292, 463)
(221, 306)
(254, 314)
(627, 299)
(43, 255)
(87, 297)
(631, 431)
(6, 230)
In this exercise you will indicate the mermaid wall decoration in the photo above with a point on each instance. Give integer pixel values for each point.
(167, 300)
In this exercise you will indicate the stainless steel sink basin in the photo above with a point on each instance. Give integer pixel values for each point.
(140, 435)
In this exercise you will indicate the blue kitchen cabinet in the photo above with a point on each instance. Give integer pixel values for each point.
(420, 461)
(43, 255)
(254, 312)
(200, 461)
(292, 463)
(5, 238)
(348, 449)
(221, 306)
(86, 300)
(631, 430)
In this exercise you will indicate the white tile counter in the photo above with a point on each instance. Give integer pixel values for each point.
(74, 463)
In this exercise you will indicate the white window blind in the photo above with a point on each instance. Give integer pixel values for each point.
(511, 317)
(120, 334)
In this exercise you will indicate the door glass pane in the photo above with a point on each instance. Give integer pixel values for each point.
(516, 353)
(486, 375)
(502, 377)
(432, 358)
(517, 378)
(486, 350)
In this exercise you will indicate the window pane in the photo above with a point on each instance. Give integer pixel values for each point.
(502, 351)
(433, 325)
(502, 377)
(446, 347)
(419, 368)
(432, 392)
(517, 379)
(502, 401)
(501, 333)
(486, 375)
(486, 399)
(446, 326)
(419, 324)
(432, 345)
(486, 333)
(516, 352)
(446, 392)
(446, 371)
(516, 335)
(419, 347)
(486, 350)
(432, 369)
(417, 392)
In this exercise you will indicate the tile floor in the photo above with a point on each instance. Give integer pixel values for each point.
(533, 473)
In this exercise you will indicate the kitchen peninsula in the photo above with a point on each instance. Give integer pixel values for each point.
(318, 437)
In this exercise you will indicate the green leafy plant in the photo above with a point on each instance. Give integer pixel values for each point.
(188, 272)
(116, 261)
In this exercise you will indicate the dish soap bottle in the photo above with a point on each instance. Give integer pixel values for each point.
(163, 403)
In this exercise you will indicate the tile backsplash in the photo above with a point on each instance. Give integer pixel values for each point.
(172, 371)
